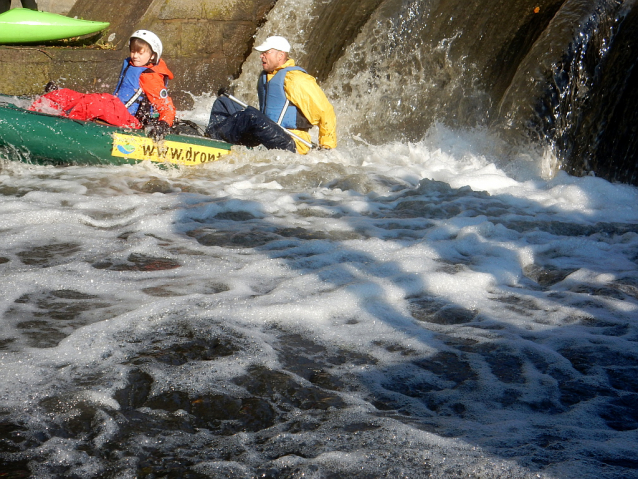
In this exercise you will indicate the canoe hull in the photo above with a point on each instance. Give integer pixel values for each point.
(34, 137)
(21, 25)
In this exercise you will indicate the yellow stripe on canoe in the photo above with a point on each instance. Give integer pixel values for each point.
(142, 148)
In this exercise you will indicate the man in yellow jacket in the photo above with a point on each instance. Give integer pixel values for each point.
(289, 99)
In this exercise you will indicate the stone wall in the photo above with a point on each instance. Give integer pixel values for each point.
(205, 44)
(61, 7)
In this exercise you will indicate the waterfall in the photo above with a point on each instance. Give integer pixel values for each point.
(589, 113)
(553, 74)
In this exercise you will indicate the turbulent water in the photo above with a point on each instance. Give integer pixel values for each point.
(411, 310)
(425, 301)
(559, 72)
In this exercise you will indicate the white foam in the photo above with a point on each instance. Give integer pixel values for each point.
(347, 288)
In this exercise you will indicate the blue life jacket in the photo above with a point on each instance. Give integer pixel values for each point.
(274, 104)
(128, 86)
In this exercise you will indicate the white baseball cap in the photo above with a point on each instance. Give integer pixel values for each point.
(276, 43)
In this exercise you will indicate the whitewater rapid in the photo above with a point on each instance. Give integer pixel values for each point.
(429, 309)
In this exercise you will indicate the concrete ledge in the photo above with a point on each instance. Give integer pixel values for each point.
(61, 7)
(25, 70)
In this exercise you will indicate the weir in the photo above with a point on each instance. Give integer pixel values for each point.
(556, 74)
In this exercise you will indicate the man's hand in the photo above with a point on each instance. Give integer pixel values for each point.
(225, 91)
(157, 130)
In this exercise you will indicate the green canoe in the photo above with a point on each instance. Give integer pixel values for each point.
(41, 138)
(21, 25)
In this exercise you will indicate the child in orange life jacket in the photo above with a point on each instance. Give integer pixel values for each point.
(143, 81)
(140, 98)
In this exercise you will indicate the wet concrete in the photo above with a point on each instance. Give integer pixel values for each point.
(205, 44)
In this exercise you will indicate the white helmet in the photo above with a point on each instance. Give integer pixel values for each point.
(150, 38)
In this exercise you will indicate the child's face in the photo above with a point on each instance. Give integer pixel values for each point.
(141, 56)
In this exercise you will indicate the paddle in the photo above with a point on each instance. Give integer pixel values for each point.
(244, 105)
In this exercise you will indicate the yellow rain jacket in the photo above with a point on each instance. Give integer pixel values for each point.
(302, 91)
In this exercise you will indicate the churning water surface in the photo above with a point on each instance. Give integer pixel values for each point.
(420, 302)
(426, 309)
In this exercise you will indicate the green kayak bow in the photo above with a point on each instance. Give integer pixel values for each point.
(21, 25)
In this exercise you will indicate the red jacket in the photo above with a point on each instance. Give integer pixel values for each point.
(86, 106)
(108, 108)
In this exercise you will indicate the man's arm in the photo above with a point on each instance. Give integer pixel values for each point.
(302, 90)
